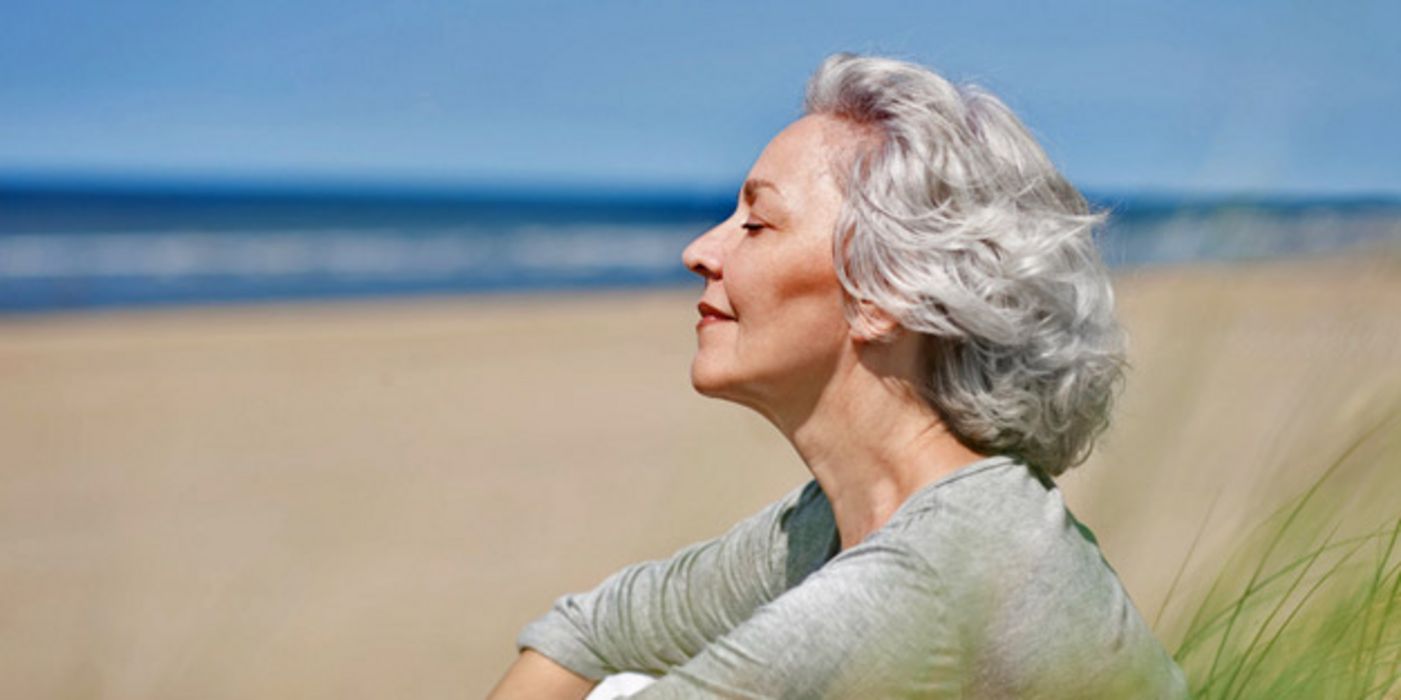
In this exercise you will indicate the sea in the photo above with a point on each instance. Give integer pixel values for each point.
(71, 246)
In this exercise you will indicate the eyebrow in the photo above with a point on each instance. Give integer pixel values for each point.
(752, 187)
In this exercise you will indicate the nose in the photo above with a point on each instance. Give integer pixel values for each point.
(705, 255)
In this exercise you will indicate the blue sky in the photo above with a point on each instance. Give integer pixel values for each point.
(1183, 96)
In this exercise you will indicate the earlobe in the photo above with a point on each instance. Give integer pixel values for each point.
(873, 324)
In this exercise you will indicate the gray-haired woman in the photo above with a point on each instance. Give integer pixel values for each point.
(909, 291)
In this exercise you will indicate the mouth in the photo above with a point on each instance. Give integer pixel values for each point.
(711, 314)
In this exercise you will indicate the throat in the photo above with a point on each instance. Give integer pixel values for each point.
(869, 471)
(870, 439)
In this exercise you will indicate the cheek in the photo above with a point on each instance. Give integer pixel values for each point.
(811, 280)
(795, 293)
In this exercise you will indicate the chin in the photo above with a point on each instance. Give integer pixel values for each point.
(712, 381)
(705, 382)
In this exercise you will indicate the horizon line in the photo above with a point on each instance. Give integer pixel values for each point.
(518, 187)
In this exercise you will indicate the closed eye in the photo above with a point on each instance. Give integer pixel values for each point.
(753, 226)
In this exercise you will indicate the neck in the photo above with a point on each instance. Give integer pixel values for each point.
(871, 442)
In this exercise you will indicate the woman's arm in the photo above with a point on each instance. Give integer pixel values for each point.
(653, 616)
(873, 623)
(534, 675)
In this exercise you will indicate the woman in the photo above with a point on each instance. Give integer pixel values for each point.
(908, 290)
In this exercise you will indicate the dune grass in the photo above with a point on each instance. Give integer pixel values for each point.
(1310, 605)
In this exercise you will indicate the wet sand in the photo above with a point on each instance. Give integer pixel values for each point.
(369, 499)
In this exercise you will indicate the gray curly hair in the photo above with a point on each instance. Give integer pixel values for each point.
(957, 225)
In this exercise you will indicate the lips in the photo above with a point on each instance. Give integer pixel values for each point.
(710, 312)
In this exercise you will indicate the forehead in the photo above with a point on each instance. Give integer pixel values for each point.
(801, 158)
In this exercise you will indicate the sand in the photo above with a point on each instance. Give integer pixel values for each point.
(368, 499)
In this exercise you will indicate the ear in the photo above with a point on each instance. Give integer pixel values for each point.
(874, 324)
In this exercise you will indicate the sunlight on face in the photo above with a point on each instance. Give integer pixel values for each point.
(771, 324)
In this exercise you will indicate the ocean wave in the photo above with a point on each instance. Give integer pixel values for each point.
(381, 253)
(243, 257)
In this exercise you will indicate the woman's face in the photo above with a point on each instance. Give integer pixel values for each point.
(771, 325)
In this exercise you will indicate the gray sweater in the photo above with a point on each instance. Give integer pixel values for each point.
(980, 585)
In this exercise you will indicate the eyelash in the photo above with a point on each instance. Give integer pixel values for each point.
(752, 227)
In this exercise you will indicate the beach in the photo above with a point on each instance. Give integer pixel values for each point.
(368, 499)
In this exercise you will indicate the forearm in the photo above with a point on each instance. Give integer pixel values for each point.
(534, 675)
(653, 616)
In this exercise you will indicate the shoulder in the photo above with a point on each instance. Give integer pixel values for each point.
(1024, 584)
(999, 538)
(998, 513)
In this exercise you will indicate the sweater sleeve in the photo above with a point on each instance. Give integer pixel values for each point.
(870, 624)
(654, 616)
